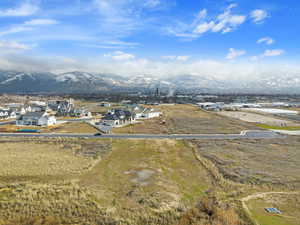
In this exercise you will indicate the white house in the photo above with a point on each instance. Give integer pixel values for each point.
(150, 113)
(36, 119)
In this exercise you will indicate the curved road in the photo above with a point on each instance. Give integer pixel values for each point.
(242, 135)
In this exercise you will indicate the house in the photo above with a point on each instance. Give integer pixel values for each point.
(117, 117)
(7, 114)
(36, 119)
(105, 104)
(151, 113)
(61, 107)
(210, 106)
(80, 113)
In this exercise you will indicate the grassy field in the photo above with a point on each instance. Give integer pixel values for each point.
(136, 182)
(187, 119)
(274, 163)
(291, 128)
(43, 160)
(164, 169)
(288, 204)
(74, 127)
(167, 182)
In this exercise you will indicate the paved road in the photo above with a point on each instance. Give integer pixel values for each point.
(243, 135)
(8, 122)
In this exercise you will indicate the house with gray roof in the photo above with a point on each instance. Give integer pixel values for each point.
(36, 119)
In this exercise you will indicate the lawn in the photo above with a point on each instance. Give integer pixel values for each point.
(290, 128)
(287, 203)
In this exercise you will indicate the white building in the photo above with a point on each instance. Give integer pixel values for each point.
(36, 119)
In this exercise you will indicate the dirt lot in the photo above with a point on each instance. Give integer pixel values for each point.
(188, 119)
(270, 162)
(257, 118)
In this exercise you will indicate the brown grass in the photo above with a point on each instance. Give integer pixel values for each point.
(74, 127)
(187, 119)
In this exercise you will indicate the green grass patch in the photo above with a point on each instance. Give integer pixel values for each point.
(269, 127)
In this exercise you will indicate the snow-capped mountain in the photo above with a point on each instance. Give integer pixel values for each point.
(84, 82)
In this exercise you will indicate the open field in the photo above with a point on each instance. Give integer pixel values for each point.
(184, 119)
(169, 182)
(74, 127)
(41, 160)
(287, 203)
(138, 182)
(273, 163)
(68, 127)
(95, 107)
(257, 118)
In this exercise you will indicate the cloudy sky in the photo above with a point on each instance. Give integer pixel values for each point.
(222, 38)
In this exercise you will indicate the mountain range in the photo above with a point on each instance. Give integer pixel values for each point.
(84, 82)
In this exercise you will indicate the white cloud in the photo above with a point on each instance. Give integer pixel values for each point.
(36, 22)
(152, 3)
(13, 47)
(25, 9)
(120, 56)
(202, 14)
(204, 27)
(15, 29)
(28, 26)
(268, 53)
(266, 40)
(273, 52)
(258, 15)
(182, 58)
(120, 18)
(234, 53)
(224, 23)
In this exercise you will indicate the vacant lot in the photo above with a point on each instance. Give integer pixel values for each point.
(153, 173)
(74, 127)
(288, 204)
(257, 118)
(188, 119)
(36, 160)
(271, 162)
(65, 182)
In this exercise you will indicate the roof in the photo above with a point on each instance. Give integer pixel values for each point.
(110, 117)
(32, 115)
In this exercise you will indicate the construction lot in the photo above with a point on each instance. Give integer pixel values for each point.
(257, 118)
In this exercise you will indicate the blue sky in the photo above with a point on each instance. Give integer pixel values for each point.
(222, 38)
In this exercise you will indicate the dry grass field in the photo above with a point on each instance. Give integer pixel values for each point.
(74, 127)
(133, 182)
(41, 160)
(260, 162)
(104, 182)
(188, 119)
(258, 118)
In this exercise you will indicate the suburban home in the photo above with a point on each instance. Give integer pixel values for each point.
(105, 104)
(118, 117)
(7, 114)
(150, 113)
(80, 113)
(36, 119)
(61, 107)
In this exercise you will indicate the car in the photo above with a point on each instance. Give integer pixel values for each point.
(97, 134)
